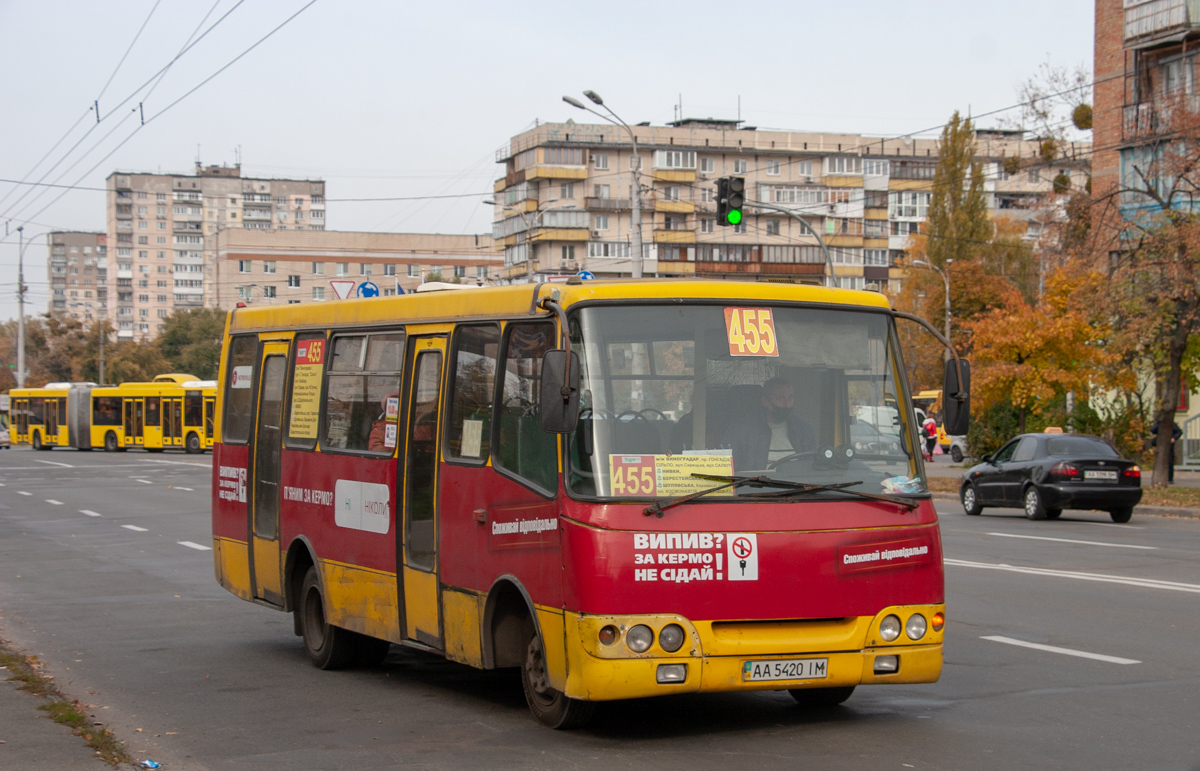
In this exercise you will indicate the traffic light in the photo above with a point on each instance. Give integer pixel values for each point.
(731, 196)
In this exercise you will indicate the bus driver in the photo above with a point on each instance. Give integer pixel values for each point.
(771, 431)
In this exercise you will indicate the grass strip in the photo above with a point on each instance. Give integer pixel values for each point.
(27, 670)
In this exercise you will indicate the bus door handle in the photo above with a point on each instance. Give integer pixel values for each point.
(480, 515)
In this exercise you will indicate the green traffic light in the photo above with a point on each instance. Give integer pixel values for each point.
(734, 216)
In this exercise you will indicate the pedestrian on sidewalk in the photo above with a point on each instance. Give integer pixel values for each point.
(1176, 433)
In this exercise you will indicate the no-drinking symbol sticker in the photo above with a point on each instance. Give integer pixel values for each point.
(743, 556)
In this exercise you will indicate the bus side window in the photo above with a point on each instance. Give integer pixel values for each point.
(522, 447)
(152, 411)
(192, 409)
(308, 369)
(362, 404)
(239, 394)
(469, 430)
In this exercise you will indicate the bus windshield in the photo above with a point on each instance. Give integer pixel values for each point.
(806, 395)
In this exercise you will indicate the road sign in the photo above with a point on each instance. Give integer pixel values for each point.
(586, 275)
(342, 288)
(368, 289)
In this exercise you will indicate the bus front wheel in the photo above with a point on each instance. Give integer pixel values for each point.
(553, 709)
(328, 646)
(818, 698)
(110, 442)
(193, 444)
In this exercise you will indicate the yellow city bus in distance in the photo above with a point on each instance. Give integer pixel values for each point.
(39, 415)
(199, 411)
(154, 418)
(177, 378)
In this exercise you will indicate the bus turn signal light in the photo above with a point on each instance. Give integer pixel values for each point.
(939, 621)
(608, 634)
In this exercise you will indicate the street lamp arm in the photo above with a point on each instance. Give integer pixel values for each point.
(805, 224)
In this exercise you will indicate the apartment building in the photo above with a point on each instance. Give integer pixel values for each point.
(565, 201)
(165, 230)
(1145, 69)
(291, 266)
(77, 273)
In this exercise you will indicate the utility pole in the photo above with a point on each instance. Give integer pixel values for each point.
(20, 306)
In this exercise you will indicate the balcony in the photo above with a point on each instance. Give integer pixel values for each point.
(611, 204)
(674, 236)
(1151, 21)
(256, 214)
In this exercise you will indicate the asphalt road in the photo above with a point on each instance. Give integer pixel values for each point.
(1070, 644)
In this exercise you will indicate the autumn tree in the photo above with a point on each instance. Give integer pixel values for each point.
(1026, 354)
(191, 341)
(1145, 242)
(133, 361)
(957, 224)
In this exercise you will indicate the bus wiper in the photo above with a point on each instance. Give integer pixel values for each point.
(792, 488)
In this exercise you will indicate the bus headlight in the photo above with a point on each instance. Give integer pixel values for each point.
(670, 639)
(889, 628)
(639, 638)
(915, 628)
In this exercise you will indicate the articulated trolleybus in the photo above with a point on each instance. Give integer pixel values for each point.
(623, 489)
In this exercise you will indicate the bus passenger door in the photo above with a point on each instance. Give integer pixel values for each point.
(133, 421)
(210, 408)
(264, 475)
(419, 572)
(172, 422)
(51, 436)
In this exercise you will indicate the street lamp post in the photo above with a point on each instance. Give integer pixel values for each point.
(21, 306)
(636, 220)
(946, 280)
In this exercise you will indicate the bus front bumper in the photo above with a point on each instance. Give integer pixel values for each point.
(840, 653)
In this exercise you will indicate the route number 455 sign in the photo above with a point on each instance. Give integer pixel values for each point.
(751, 332)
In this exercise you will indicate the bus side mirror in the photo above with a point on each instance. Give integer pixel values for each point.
(559, 399)
(956, 400)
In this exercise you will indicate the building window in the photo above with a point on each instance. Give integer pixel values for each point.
(293, 282)
(600, 160)
(317, 214)
(460, 271)
(635, 162)
(843, 164)
(875, 168)
(878, 257)
(739, 166)
(364, 268)
(318, 268)
(245, 266)
(268, 266)
(389, 269)
(707, 195)
(674, 222)
(600, 191)
(566, 190)
(772, 227)
(773, 168)
(674, 159)
(740, 227)
(481, 271)
(671, 193)
(414, 271)
(600, 222)
(268, 291)
(706, 225)
(318, 293)
(568, 252)
(343, 269)
(1033, 175)
(707, 165)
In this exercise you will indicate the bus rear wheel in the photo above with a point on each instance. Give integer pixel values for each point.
(551, 708)
(820, 698)
(328, 646)
(110, 442)
(193, 444)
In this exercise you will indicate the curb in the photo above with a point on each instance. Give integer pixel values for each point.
(1157, 511)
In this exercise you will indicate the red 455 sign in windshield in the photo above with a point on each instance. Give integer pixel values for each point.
(751, 332)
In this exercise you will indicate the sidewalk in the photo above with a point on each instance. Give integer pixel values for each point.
(34, 742)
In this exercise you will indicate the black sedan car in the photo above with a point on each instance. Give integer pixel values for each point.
(1046, 473)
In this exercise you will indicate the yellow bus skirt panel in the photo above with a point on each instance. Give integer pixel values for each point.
(231, 560)
(361, 600)
(462, 615)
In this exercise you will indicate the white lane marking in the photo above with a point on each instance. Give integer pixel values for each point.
(1071, 540)
(1, 484)
(89, 512)
(1103, 524)
(22, 492)
(134, 528)
(1145, 583)
(190, 490)
(53, 463)
(56, 503)
(143, 481)
(195, 546)
(181, 463)
(1064, 651)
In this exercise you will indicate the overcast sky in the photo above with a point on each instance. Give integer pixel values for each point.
(395, 99)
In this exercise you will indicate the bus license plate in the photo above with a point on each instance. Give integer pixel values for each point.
(785, 669)
(1107, 476)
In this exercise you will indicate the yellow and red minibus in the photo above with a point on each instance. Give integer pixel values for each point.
(622, 489)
